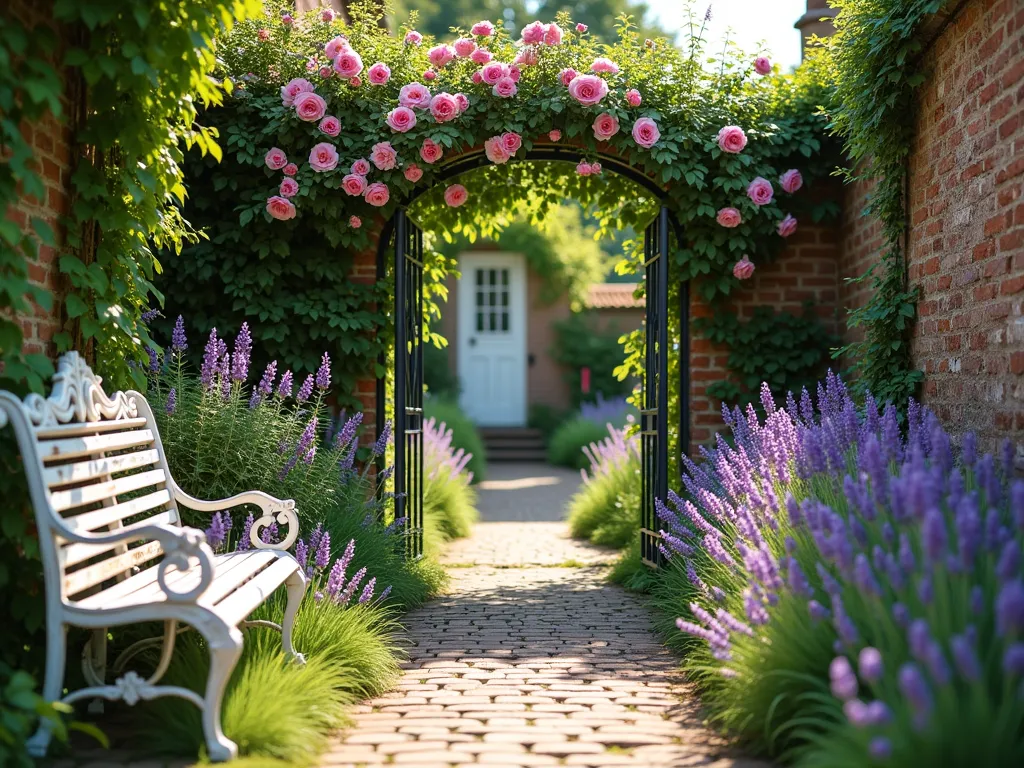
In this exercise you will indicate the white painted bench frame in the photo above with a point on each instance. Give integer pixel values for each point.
(113, 586)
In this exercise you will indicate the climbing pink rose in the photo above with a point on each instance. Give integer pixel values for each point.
(645, 132)
(760, 191)
(581, 28)
(505, 88)
(483, 29)
(414, 95)
(533, 33)
(567, 75)
(605, 126)
(412, 37)
(348, 63)
(383, 156)
(743, 269)
(455, 195)
(377, 194)
(633, 97)
(280, 208)
(335, 46)
(584, 168)
(481, 56)
(495, 150)
(330, 125)
(413, 172)
(602, 64)
(326, 15)
(310, 107)
(290, 170)
(326, 72)
(493, 72)
(555, 135)
(553, 34)
(787, 226)
(732, 139)
(762, 66)
(595, 168)
(588, 90)
(462, 100)
(791, 180)
(729, 217)
(429, 75)
(354, 184)
(477, 77)
(431, 152)
(289, 187)
(527, 57)
(263, 35)
(515, 73)
(275, 159)
(440, 55)
(511, 141)
(293, 88)
(444, 107)
(355, 82)
(401, 119)
(379, 73)
(464, 46)
(355, 222)
(323, 157)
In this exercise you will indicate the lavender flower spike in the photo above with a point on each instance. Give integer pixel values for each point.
(305, 390)
(178, 341)
(240, 357)
(245, 542)
(382, 442)
(172, 400)
(211, 358)
(323, 374)
(284, 389)
(367, 595)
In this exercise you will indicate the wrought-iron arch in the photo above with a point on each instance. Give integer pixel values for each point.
(408, 271)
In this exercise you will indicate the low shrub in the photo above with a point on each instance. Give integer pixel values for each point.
(851, 595)
(449, 501)
(565, 449)
(606, 508)
(581, 341)
(465, 436)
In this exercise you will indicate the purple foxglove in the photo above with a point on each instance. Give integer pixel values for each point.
(178, 341)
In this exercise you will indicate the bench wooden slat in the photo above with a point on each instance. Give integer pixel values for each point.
(88, 470)
(90, 521)
(74, 447)
(73, 554)
(80, 580)
(111, 489)
(247, 598)
(77, 428)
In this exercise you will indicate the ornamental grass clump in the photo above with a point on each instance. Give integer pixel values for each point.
(449, 501)
(853, 591)
(606, 508)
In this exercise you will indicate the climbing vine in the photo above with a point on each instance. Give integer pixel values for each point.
(873, 59)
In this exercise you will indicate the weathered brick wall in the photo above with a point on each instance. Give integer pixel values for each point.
(861, 244)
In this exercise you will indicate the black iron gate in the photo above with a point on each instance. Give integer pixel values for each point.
(654, 414)
(409, 381)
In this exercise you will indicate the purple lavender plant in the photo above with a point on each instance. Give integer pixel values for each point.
(241, 355)
(172, 401)
(440, 460)
(178, 341)
(305, 390)
(211, 358)
(323, 373)
(284, 389)
(305, 449)
(217, 533)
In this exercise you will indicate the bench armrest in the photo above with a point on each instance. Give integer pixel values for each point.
(280, 511)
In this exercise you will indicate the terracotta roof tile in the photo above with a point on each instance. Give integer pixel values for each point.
(613, 296)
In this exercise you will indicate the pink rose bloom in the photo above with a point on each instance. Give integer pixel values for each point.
(515, 73)
(555, 135)
(633, 97)
(275, 159)
(605, 126)
(280, 208)
(533, 33)
(505, 88)
(290, 187)
(584, 169)
(463, 102)
(477, 77)
(431, 152)
(495, 150)
(645, 132)
(384, 156)
(567, 75)
(762, 66)
(354, 184)
(290, 170)
(729, 218)
(335, 46)
(355, 82)
(481, 56)
(464, 46)
(760, 191)
(581, 28)
(455, 195)
(527, 57)
(743, 269)
(483, 29)
(291, 89)
(429, 75)
(602, 64)
(323, 157)
(287, 20)
(786, 227)
(588, 90)
(263, 35)
(310, 107)
(361, 166)
(732, 139)
(493, 72)
(327, 15)
(413, 172)
(355, 222)
(791, 180)
(440, 55)
(412, 37)
(553, 34)
(330, 125)
(401, 119)
(414, 95)
(444, 107)
(595, 167)
(379, 73)
(377, 194)
(348, 64)
(511, 141)
(326, 72)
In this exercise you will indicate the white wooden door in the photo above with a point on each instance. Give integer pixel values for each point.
(492, 338)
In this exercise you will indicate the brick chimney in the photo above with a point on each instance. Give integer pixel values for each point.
(817, 21)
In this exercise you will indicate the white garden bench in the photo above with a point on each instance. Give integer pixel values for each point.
(110, 560)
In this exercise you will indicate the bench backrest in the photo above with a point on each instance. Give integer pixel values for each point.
(94, 463)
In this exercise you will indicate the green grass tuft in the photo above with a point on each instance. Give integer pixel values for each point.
(606, 508)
